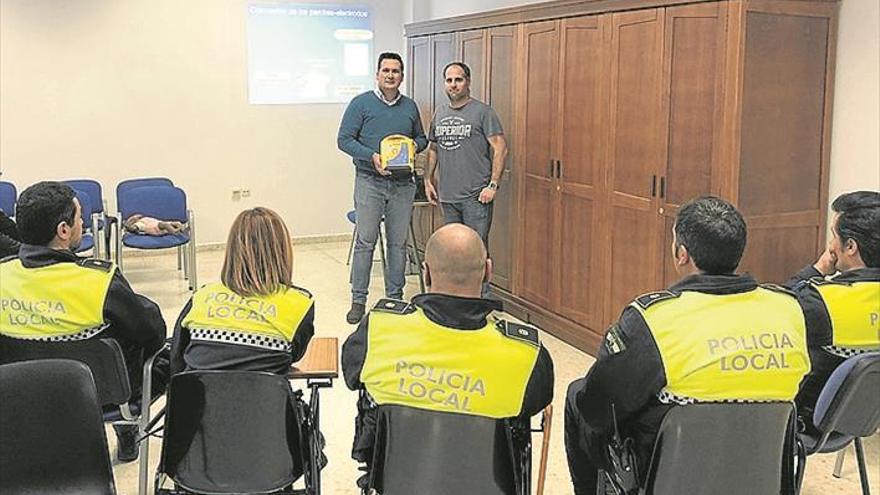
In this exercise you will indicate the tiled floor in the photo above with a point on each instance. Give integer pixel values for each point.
(322, 269)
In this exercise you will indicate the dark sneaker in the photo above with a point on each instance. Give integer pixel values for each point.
(355, 313)
(126, 442)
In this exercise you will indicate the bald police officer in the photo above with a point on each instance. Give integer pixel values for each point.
(444, 351)
(842, 311)
(50, 294)
(713, 336)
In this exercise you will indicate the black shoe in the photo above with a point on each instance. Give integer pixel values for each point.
(126, 442)
(355, 314)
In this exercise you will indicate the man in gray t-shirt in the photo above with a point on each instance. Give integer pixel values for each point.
(467, 144)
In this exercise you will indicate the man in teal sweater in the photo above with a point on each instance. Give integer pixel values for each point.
(369, 118)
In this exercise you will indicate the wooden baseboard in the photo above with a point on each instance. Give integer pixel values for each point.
(579, 336)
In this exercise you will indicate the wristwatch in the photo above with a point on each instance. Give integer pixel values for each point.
(493, 185)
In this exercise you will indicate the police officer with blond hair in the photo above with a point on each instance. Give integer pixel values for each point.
(48, 293)
(444, 351)
(840, 294)
(712, 336)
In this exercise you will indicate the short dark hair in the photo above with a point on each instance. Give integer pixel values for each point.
(464, 68)
(713, 232)
(40, 208)
(389, 56)
(859, 219)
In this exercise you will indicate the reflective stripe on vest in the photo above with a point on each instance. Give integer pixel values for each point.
(62, 301)
(215, 307)
(412, 361)
(855, 313)
(747, 346)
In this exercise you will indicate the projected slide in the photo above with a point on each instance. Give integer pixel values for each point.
(308, 53)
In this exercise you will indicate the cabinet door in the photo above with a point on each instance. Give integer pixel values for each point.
(636, 153)
(581, 141)
(694, 74)
(420, 88)
(500, 67)
(472, 51)
(540, 42)
(443, 51)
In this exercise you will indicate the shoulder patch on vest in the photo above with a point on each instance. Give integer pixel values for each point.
(646, 300)
(614, 342)
(95, 264)
(393, 306)
(519, 332)
(779, 288)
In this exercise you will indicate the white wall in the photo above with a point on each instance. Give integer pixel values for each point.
(127, 88)
(855, 132)
(855, 140)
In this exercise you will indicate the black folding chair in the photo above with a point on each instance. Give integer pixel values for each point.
(235, 432)
(730, 448)
(847, 410)
(52, 438)
(436, 453)
(106, 361)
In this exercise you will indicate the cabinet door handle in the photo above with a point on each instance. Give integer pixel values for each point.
(552, 163)
(653, 186)
(662, 187)
(558, 169)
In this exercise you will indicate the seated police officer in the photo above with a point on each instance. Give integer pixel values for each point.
(255, 319)
(492, 368)
(49, 293)
(842, 312)
(713, 336)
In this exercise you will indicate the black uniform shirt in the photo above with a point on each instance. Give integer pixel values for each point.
(463, 314)
(134, 321)
(629, 373)
(820, 332)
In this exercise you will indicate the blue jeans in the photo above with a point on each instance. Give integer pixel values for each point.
(475, 215)
(376, 198)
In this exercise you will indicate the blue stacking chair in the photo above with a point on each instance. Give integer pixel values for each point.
(8, 196)
(847, 410)
(102, 222)
(160, 200)
(89, 221)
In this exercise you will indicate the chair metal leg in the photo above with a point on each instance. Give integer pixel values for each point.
(838, 464)
(179, 258)
(351, 246)
(415, 251)
(194, 277)
(96, 249)
(119, 246)
(143, 423)
(863, 470)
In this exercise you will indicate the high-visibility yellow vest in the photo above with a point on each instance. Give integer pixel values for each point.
(854, 309)
(62, 301)
(219, 314)
(745, 346)
(412, 361)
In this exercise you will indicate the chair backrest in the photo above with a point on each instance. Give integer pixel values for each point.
(102, 356)
(8, 196)
(723, 448)
(85, 203)
(93, 189)
(850, 400)
(228, 432)
(434, 453)
(51, 432)
(129, 184)
(162, 202)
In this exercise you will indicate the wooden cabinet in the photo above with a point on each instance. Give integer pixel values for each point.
(621, 115)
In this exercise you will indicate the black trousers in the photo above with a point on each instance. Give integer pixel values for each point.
(584, 472)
